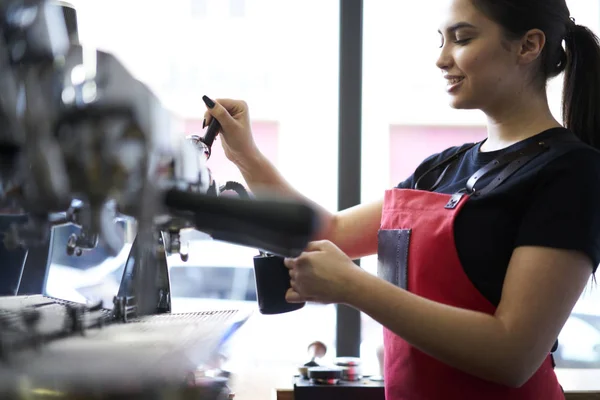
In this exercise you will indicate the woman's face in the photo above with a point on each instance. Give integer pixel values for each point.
(480, 66)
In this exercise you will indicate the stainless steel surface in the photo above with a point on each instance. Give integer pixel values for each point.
(148, 353)
(77, 126)
(85, 143)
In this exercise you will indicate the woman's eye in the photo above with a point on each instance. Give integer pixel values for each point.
(462, 41)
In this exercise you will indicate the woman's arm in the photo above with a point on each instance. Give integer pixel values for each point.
(353, 230)
(541, 288)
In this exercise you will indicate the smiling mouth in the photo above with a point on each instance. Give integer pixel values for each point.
(454, 81)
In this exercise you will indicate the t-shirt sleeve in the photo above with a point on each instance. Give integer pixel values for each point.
(408, 183)
(564, 212)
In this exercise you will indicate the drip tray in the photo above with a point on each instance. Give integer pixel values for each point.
(149, 352)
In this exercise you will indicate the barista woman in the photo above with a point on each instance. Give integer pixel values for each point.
(485, 249)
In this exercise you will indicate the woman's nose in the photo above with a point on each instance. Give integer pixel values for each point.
(444, 61)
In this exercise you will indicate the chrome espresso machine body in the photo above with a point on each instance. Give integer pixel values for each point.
(83, 142)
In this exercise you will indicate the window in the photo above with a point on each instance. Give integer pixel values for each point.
(237, 8)
(404, 106)
(198, 8)
(267, 58)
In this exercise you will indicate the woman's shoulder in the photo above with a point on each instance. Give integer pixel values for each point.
(571, 157)
(443, 155)
(433, 160)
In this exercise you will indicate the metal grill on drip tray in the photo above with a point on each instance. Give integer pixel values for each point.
(145, 355)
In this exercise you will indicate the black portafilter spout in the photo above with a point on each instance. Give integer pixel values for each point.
(279, 227)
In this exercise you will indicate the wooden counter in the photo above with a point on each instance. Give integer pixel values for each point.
(579, 384)
(288, 394)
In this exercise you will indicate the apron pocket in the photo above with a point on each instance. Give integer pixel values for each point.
(392, 256)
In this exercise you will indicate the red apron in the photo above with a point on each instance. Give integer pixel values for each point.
(417, 252)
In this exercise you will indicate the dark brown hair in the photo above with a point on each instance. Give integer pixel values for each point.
(570, 48)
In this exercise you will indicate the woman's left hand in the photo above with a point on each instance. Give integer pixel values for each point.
(322, 273)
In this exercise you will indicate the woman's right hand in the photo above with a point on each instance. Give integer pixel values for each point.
(236, 132)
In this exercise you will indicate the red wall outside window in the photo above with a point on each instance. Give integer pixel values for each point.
(410, 145)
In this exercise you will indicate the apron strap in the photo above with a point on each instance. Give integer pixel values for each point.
(446, 164)
(513, 162)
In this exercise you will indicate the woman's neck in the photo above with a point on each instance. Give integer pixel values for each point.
(518, 120)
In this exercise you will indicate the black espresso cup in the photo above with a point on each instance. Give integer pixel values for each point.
(272, 279)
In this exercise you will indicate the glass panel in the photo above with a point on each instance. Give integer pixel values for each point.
(280, 57)
(406, 111)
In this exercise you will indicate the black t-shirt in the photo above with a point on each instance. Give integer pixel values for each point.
(552, 201)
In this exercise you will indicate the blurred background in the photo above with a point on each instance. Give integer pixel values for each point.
(283, 58)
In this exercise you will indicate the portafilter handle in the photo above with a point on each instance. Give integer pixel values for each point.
(204, 143)
(316, 350)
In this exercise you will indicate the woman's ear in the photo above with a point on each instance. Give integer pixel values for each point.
(531, 46)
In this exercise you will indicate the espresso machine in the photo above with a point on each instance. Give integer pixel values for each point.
(84, 143)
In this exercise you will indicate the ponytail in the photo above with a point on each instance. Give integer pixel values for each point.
(581, 91)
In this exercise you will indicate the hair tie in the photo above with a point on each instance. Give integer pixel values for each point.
(571, 25)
